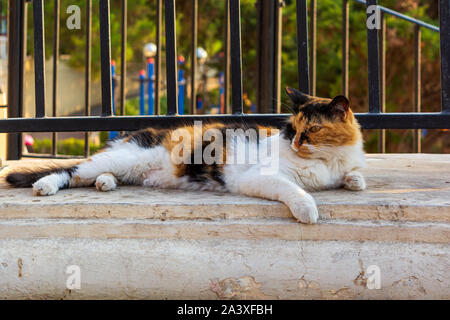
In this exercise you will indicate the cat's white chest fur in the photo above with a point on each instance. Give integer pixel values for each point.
(326, 171)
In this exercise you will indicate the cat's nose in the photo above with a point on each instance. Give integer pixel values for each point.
(298, 142)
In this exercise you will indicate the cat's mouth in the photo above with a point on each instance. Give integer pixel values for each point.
(301, 149)
(295, 145)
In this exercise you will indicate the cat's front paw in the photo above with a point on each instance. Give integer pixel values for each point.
(354, 181)
(304, 209)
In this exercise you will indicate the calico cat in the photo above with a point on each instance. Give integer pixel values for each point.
(319, 147)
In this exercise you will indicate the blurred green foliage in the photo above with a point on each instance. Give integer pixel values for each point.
(71, 146)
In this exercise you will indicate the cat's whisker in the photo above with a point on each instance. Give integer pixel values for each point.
(285, 105)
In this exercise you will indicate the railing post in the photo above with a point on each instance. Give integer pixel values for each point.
(444, 18)
(55, 69)
(105, 47)
(302, 43)
(87, 75)
(171, 58)
(158, 56)
(278, 44)
(417, 84)
(194, 55)
(236, 56)
(123, 64)
(313, 46)
(39, 57)
(345, 45)
(382, 48)
(269, 56)
(373, 60)
(16, 55)
(227, 59)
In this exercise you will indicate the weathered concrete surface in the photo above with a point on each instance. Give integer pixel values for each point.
(400, 188)
(225, 269)
(284, 229)
(142, 243)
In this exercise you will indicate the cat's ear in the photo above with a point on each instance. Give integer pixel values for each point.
(340, 106)
(297, 97)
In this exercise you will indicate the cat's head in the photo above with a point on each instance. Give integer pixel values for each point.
(320, 125)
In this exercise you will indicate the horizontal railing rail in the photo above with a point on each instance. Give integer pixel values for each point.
(403, 17)
(376, 118)
(431, 120)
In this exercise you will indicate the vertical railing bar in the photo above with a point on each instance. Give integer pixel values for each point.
(302, 43)
(236, 56)
(88, 71)
(171, 58)
(123, 66)
(25, 34)
(39, 57)
(313, 46)
(417, 84)
(227, 58)
(105, 50)
(17, 26)
(382, 48)
(55, 69)
(345, 45)
(278, 41)
(194, 56)
(262, 27)
(266, 57)
(158, 56)
(444, 21)
(373, 64)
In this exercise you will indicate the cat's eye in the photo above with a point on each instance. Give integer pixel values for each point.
(315, 129)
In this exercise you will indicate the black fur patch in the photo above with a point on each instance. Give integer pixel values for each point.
(316, 110)
(147, 138)
(26, 178)
(288, 131)
(203, 172)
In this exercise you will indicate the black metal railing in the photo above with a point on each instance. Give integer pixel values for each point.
(376, 118)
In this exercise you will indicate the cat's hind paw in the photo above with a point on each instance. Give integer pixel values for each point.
(106, 182)
(304, 209)
(354, 181)
(45, 187)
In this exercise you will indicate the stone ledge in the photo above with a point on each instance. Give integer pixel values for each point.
(254, 229)
(400, 188)
(225, 269)
(137, 243)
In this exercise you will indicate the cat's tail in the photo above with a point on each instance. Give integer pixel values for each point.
(25, 177)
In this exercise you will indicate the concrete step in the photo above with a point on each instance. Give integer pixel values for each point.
(400, 188)
(138, 203)
(254, 229)
(159, 244)
(222, 269)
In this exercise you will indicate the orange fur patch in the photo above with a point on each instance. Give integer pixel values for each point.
(332, 133)
(77, 181)
(188, 150)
